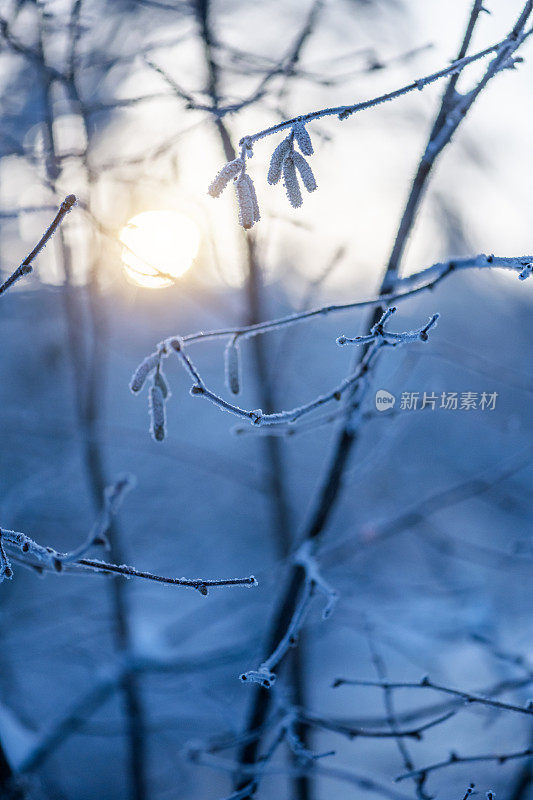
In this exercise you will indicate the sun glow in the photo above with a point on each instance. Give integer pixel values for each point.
(159, 246)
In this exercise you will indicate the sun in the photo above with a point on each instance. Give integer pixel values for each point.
(159, 246)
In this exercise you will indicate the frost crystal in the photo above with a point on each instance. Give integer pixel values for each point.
(228, 171)
(290, 180)
(304, 140)
(306, 173)
(276, 162)
(157, 411)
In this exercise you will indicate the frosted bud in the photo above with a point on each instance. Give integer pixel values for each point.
(306, 173)
(247, 200)
(232, 363)
(276, 162)
(302, 137)
(290, 181)
(157, 412)
(143, 370)
(226, 174)
(264, 677)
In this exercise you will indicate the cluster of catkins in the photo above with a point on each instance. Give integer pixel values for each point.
(289, 162)
(285, 161)
(159, 391)
(244, 187)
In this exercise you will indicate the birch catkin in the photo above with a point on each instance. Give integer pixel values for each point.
(143, 370)
(303, 139)
(226, 174)
(290, 180)
(306, 173)
(247, 200)
(276, 162)
(157, 411)
(232, 363)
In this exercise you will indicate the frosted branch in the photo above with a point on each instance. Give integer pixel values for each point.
(30, 553)
(426, 683)
(264, 674)
(454, 758)
(378, 338)
(27, 265)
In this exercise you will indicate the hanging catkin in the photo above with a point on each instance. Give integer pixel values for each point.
(276, 162)
(306, 173)
(157, 412)
(303, 139)
(232, 367)
(226, 174)
(290, 181)
(247, 200)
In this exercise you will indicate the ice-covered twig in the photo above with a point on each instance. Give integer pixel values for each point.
(286, 161)
(378, 338)
(5, 566)
(39, 557)
(379, 333)
(404, 288)
(426, 683)
(454, 758)
(113, 498)
(307, 560)
(31, 554)
(300, 751)
(392, 719)
(347, 110)
(354, 731)
(27, 265)
(264, 674)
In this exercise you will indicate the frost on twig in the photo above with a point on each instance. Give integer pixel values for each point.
(5, 566)
(378, 337)
(264, 674)
(305, 558)
(113, 498)
(27, 265)
(379, 333)
(526, 272)
(26, 551)
(30, 554)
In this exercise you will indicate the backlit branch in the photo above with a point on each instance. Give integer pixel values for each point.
(27, 265)
(378, 338)
(287, 161)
